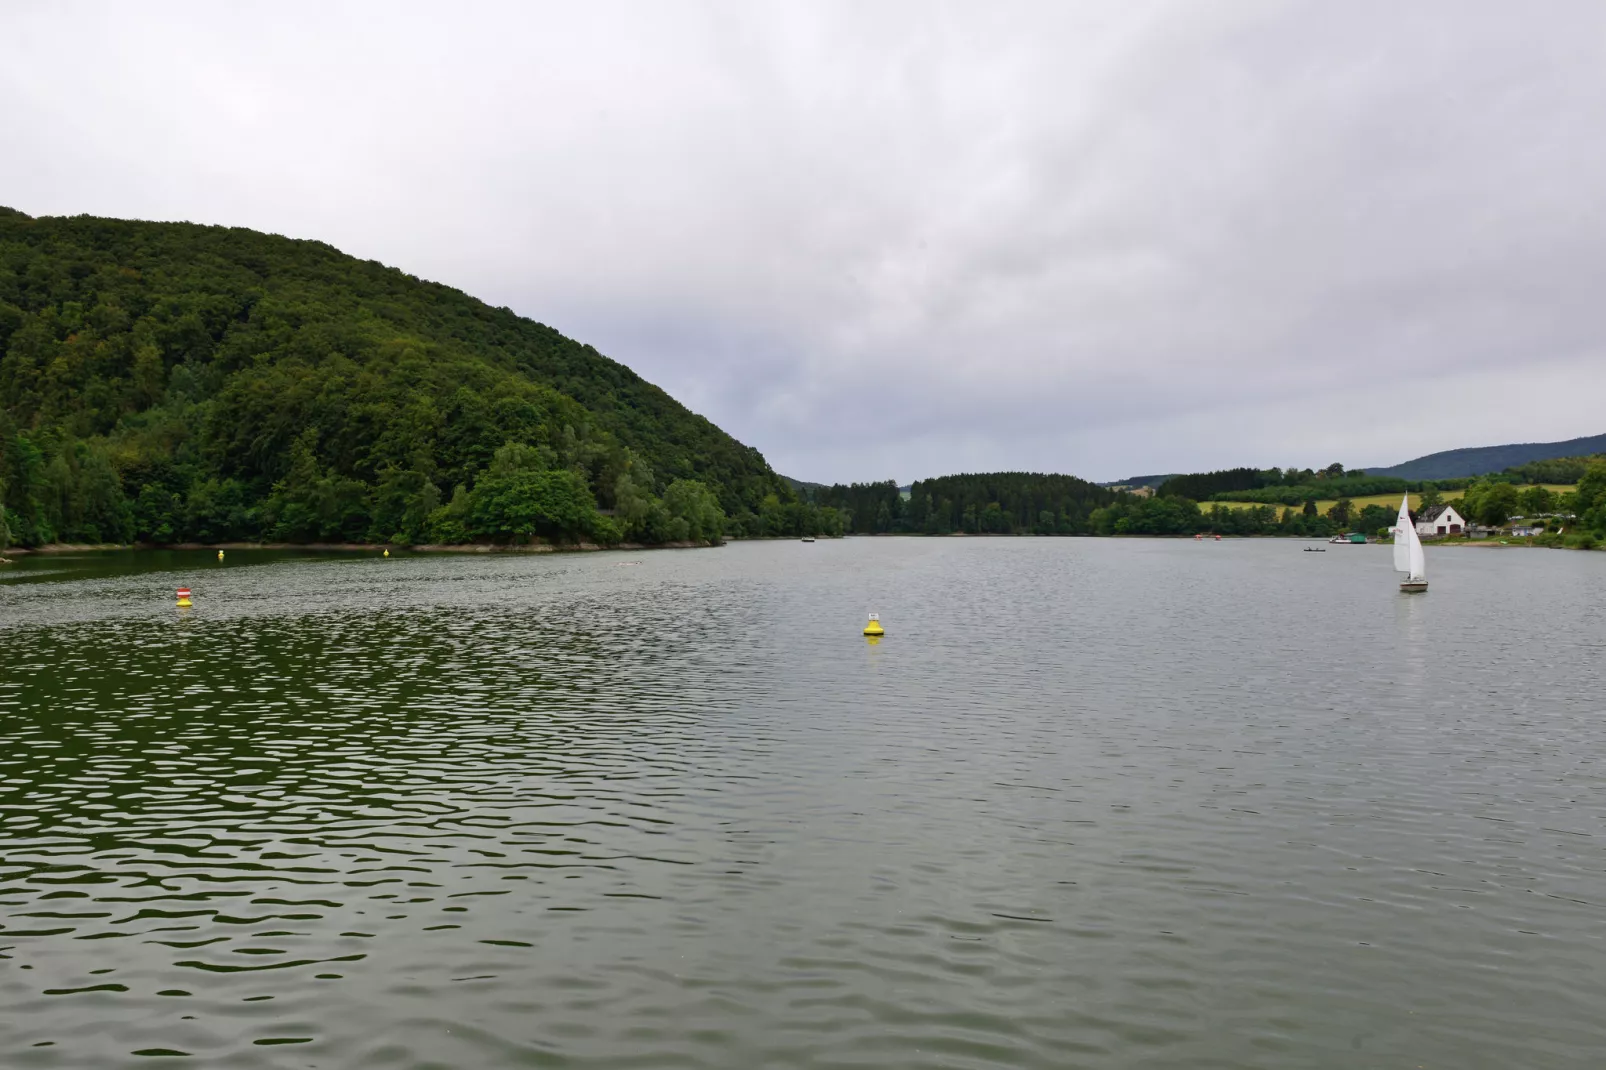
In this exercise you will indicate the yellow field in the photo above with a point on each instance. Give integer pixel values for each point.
(1388, 501)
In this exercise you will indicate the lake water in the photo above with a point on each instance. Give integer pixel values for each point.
(1091, 803)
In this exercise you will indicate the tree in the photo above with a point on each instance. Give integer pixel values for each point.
(448, 524)
(694, 505)
(1373, 518)
(1340, 512)
(521, 457)
(1310, 507)
(403, 502)
(1591, 498)
(633, 504)
(522, 503)
(311, 504)
(1430, 497)
(1536, 500)
(1591, 488)
(1497, 504)
(215, 511)
(157, 515)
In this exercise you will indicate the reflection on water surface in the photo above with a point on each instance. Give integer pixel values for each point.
(1091, 803)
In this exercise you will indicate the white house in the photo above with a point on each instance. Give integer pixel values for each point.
(1440, 520)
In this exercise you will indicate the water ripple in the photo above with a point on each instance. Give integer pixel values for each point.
(1090, 804)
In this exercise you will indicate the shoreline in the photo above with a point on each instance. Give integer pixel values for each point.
(358, 547)
(15, 552)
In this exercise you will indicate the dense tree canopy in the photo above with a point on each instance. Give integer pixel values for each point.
(1202, 485)
(168, 382)
(1002, 502)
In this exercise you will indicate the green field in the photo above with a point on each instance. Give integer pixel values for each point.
(1390, 501)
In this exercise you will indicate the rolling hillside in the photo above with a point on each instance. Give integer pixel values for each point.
(169, 381)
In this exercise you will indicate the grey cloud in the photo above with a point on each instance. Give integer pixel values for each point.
(904, 239)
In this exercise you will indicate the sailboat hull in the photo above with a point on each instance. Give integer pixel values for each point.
(1411, 586)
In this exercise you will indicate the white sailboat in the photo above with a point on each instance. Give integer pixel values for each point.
(1408, 556)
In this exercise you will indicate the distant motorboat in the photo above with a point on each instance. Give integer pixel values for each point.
(808, 538)
(1408, 556)
(1315, 549)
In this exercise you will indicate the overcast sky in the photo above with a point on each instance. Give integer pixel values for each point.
(884, 240)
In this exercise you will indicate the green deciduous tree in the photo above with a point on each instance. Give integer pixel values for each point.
(1537, 500)
(1591, 498)
(1494, 504)
(694, 505)
(517, 505)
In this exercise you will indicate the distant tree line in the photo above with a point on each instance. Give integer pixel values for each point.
(1276, 486)
(992, 503)
(1183, 516)
(1201, 486)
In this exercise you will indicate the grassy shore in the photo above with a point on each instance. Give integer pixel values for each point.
(1566, 541)
(1388, 501)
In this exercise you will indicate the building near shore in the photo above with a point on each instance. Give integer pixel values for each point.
(1440, 520)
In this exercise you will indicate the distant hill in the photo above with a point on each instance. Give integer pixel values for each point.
(804, 488)
(1140, 481)
(1480, 460)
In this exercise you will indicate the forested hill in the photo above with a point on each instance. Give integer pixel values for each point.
(1481, 460)
(169, 381)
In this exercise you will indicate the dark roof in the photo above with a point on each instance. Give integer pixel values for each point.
(1433, 512)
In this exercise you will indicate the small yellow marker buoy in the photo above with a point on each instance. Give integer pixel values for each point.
(387, 553)
(220, 555)
(874, 627)
(183, 598)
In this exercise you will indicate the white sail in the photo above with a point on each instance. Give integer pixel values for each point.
(1402, 542)
(1419, 564)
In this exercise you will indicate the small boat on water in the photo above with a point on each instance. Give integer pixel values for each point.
(808, 538)
(1408, 556)
(1315, 549)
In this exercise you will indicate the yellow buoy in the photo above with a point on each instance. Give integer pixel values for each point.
(220, 555)
(874, 627)
(387, 553)
(183, 598)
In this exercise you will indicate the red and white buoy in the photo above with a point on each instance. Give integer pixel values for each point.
(184, 597)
